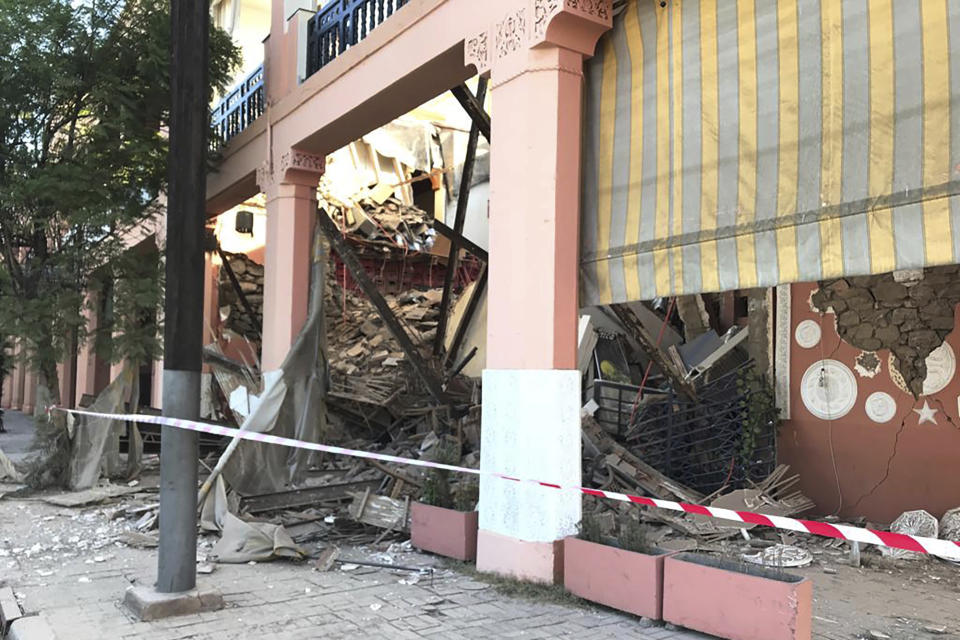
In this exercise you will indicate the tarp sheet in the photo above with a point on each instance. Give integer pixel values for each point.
(291, 406)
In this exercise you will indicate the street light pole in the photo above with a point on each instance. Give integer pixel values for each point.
(189, 122)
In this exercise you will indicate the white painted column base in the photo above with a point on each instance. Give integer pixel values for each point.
(531, 429)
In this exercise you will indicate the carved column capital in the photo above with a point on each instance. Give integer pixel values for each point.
(570, 24)
(295, 167)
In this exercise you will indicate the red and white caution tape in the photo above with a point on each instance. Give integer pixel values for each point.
(943, 548)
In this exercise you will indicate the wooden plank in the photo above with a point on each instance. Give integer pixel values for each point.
(304, 497)
(360, 276)
(9, 609)
(636, 329)
(380, 511)
(461, 240)
(463, 200)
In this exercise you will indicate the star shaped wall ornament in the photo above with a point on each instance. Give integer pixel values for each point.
(926, 413)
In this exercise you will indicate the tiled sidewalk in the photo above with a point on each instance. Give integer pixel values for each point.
(80, 595)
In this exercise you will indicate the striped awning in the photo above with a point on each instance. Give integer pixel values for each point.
(741, 143)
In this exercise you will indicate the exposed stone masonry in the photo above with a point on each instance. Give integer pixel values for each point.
(250, 276)
(909, 313)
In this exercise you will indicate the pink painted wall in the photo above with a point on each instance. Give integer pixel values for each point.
(919, 461)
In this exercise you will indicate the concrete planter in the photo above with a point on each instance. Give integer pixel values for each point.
(734, 601)
(445, 532)
(625, 580)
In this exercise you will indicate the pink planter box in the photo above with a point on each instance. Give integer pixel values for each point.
(734, 601)
(444, 531)
(625, 580)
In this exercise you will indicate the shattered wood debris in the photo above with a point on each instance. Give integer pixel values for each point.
(373, 387)
(381, 225)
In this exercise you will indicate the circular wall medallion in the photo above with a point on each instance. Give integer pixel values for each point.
(881, 407)
(829, 389)
(941, 367)
(807, 334)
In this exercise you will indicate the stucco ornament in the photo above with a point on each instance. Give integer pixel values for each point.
(807, 334)
(880, 407)
(868, 364)
(941, 367)
(828, 389)
(926, 413)
(294, 166)
(572, 24)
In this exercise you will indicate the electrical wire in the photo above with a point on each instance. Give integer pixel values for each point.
(646, 373)
(830, 421)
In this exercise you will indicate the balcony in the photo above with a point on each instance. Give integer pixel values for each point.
(342, 24)
(239, 108)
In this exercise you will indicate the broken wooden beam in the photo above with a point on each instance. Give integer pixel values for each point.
(676, 376)
(474, 108)
(359, 275)
(463, 241)
(304, 497)
(463, 200)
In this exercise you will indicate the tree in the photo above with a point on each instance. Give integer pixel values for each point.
(84, 102)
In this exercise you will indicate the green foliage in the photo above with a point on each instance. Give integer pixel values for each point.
(633, 535)
(84, 102)
(436, 488)
(760, 411)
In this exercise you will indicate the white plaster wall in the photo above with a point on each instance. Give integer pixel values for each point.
(531, 429)
(476, 226)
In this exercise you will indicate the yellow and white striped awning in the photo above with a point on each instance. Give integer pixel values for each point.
(742, 143)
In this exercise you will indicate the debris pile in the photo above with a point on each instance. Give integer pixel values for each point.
(359, 342)
(249, 276)
(377, 222)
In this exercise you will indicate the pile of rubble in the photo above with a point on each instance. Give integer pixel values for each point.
(250, 278)
(359, 343)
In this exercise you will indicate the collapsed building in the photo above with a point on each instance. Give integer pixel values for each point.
(696, 324)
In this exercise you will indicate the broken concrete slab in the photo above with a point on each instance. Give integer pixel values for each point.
(32, 628)
(147, 604)
(9, 609)
(93, 495)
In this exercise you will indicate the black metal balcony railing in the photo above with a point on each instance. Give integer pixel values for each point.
(342, 24)
(239, 108)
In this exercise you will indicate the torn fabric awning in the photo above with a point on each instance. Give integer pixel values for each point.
(733, 145)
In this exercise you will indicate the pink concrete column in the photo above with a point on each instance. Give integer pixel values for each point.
(291, 213)
(68, 386)
(17, 377)
(86, 383)
(532, 387)
(7, 393)
(156, 391)
(211, 301)
(285, 48)
(29, 390)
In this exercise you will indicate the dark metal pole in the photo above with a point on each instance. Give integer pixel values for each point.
(474, 108)
(463, 200)
(183, 328)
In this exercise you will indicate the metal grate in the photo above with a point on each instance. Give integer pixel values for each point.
(703, 444)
